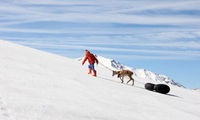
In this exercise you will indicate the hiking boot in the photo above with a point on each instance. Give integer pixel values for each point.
(90, 71)
(95, 73)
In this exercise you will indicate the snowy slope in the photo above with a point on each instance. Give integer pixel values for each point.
(197, 90)
(146, 75)
(36, 85)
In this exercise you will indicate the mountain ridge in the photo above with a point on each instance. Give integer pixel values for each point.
(141, 73)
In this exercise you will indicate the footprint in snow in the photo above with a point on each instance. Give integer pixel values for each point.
(4, 114)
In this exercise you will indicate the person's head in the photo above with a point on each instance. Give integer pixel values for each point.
(87, 52)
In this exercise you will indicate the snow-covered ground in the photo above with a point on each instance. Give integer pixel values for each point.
(36, 85)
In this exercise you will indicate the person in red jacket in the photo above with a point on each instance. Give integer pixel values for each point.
(91, 59)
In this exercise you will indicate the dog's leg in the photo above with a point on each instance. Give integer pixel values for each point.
(133, 82)
(122, 79)
(128, 81)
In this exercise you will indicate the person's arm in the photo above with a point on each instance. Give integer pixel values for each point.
(84, 60)
(96, 60)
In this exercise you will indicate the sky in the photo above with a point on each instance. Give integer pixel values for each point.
(160, 36)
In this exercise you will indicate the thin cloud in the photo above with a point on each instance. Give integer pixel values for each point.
(148, 57)
(159, 5)
(126, 23)
(43, 14)
(167, 52)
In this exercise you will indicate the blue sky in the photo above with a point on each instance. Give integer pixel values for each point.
(161, 36)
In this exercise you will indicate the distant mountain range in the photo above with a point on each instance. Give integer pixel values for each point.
(141, 73)
(197, 89)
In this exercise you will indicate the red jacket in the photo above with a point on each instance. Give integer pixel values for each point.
(91, 58)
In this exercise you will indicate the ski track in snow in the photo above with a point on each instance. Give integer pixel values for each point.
(4, 112)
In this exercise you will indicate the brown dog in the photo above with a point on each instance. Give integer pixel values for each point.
(123, 73)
